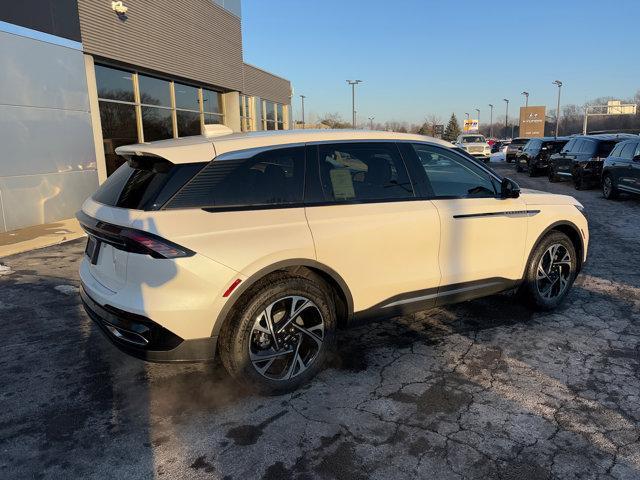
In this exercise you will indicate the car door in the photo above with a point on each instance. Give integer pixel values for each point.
(563, 163)
(635, 169)
(369, 226)
(482, 235)
(627, 168)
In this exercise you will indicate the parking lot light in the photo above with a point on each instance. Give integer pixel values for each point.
(526, 99)
(506, 118)
(559, 84)
(491, 121)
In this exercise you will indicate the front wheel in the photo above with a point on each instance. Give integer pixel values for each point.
(609, 190)
(578, 182)
(518, 167)
(552, 268)
(280, 335)
(532, 170)
(553, 178)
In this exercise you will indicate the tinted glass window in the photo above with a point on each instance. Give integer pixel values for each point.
(118, 121)
(156, 123)
(569, 146)
(187, 97)
(628, 150)
(154, 91)
(588, 146)
(553, 147)
(637, 152)
(188, 123)
(604, 148)
(114, 84)
(146, 187)
(451, 175)
(275, 177)
(616, 151)
(519, 141)
(211, 101)
(363, 171)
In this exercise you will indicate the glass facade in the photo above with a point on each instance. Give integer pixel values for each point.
(272, 117)
(139, 108)
(246, 113)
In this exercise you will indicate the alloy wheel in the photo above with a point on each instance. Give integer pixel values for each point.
(607, 186)
(286, 338)
(554, 272)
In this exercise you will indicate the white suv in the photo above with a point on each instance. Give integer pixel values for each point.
(258, 246)
(475, 145)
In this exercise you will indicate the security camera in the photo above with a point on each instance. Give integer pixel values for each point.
(119, 8)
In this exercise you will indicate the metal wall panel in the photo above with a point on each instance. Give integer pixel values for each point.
(260, 83)
(192, 39)
(40, 74)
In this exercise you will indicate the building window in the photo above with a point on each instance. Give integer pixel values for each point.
(280, 116)
(246, 114)
(272, 115)
(140, 108)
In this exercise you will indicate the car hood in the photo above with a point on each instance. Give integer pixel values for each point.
(537, 197)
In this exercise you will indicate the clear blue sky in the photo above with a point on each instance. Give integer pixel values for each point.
(422, 57)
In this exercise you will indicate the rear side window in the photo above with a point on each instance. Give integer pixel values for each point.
(587, 146)
(569, 146)
(616, 151)
(145, 183)
(363, 172)
(553, 147)
(628, 150)
(271, 178)
(453, 176)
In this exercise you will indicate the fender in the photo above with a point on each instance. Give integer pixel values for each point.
(555, 225)
(293, 262)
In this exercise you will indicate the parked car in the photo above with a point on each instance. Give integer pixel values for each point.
(621, 169)
(535, 155)
(475, 145)
(259, 245)
(514, 147)
(500, 145)
(581, 159)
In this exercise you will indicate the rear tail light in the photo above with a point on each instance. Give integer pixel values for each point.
(132, 240)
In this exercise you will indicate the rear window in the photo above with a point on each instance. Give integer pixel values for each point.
(519, 141)
(146, 184)
(473, 139)
(271, 178)
(554, 147)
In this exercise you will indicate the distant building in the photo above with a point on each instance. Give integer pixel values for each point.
(81, 77)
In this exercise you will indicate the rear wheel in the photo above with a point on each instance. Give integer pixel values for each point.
(553, 178)
(609, 190)
(552, 268)
(532, 170)
(578, 182)
(518, 167)
(281, 335)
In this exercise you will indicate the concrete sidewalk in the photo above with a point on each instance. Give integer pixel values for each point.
(39, 236)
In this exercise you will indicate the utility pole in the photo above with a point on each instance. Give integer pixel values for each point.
(371, 123)
(491, 122)
(506, 118)
(526, 99)
(478, 110)
(302, 97)
(559, 84)
(353, 84)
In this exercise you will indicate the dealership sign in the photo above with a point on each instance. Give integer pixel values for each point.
(470, 125)
(532, 122)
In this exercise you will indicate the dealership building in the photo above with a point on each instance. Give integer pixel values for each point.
(81, 77)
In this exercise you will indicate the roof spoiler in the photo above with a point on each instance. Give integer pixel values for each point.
(216, 130)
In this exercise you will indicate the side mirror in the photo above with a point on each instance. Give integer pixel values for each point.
(509, 189)
(636, 158)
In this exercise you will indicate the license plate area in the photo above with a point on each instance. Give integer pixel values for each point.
(92, 250)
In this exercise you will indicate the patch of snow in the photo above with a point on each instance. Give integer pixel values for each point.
(5, 270)
(67, 289)
(497, 157)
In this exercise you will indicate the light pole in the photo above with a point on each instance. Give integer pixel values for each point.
(491, 121)
(353, 84)
(559, 84)
(302, 97)
(371, 123)
(526, 99)
(506, 118)
(478, 110)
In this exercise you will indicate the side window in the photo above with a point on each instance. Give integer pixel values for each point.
(452, 175)
(628, 150)
(363, 172)
(616, 151)
(569, 146)
(587, 146)
(604, 148)
(637, 152)
(271, 178)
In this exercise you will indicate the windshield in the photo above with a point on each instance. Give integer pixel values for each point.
(519, 141)
(473, 139)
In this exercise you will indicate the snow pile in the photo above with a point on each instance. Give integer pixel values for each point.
(67, 289)
(4, 270)
(497, 157)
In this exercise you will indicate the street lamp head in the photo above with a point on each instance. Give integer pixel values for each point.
(506, 100)
(478, 110)
(526, 94)
(354, 82)
(558, 83)
(491, 105)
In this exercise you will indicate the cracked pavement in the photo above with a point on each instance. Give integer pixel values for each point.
(484, 389)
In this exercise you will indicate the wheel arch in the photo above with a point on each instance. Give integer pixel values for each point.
(301, 267)
(572, 231)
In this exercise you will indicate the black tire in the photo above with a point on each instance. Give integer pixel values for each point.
(609, 189)
(553, 178)
(518, 167)
(238, 335)
(578, 182)
(532, 170)
(530, 289)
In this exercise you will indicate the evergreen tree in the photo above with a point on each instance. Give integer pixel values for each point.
(453, 129)
(424, 129)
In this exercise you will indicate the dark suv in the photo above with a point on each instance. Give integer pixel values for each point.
(621, 169)
(582, 157)
(514, 148)
(536, 153)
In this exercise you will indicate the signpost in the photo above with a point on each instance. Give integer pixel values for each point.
(532, 122)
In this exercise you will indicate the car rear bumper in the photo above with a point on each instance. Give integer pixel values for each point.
(142, 338)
